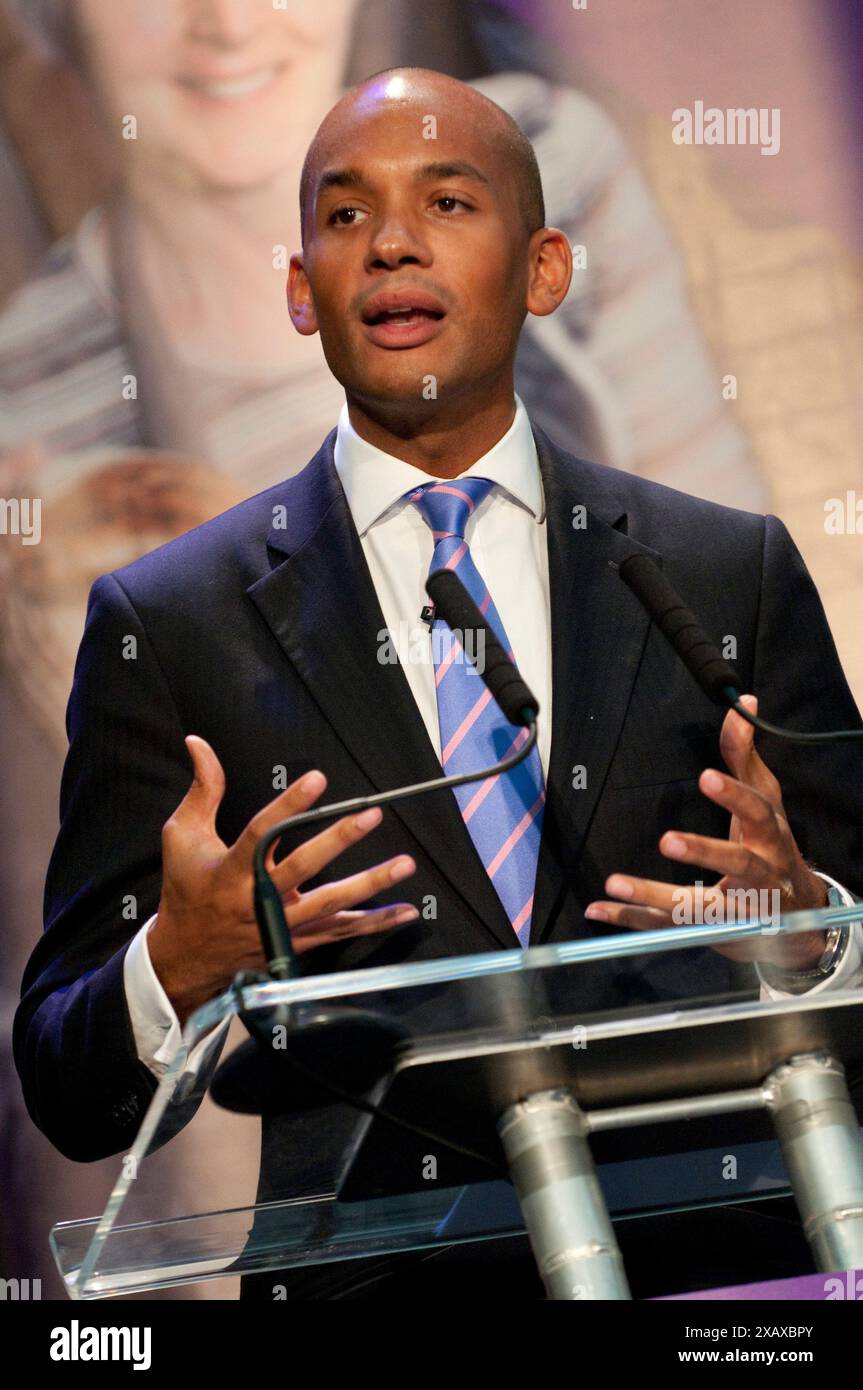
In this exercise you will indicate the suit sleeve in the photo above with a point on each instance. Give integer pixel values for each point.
(801, 685)
(126, 770)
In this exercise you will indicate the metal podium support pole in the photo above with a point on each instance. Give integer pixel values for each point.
(545, 1141)
(823, 1150)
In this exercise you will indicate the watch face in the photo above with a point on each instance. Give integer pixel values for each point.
(831, 951)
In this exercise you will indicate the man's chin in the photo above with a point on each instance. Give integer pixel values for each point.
(406, 389)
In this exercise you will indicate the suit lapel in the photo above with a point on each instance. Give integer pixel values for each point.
(598, 633)
(321, 606)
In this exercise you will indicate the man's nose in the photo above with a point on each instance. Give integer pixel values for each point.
(396, 241)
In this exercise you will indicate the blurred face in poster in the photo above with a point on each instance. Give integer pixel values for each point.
(223, 92)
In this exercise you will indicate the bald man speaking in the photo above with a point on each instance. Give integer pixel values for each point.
(288, 634)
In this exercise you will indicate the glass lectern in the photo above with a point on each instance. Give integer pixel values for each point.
(481, 1096)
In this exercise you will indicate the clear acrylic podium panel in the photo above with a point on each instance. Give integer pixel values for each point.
(187, 1207)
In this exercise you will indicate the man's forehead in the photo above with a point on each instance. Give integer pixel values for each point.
(427, 114)
(403, 130)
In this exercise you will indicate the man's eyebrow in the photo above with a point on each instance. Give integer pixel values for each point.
(353, 177)
(452, 169)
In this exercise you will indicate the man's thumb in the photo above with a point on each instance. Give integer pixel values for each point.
(737, 737)
(208, 785)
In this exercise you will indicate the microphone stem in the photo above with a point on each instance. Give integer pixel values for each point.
(790, 736)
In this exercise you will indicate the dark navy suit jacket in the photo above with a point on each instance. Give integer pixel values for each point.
(263, 638)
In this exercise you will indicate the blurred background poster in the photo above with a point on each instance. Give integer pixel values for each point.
(703, 158)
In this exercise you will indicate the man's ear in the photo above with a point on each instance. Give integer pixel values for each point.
(550, 270)
(301, 306)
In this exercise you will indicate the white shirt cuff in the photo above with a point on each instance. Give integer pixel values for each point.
(848, 971)
(155, 1025)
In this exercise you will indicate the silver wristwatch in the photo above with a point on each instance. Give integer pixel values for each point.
(798, 981)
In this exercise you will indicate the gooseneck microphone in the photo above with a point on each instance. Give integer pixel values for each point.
(682, 629)
(454, 604)
(699, 654)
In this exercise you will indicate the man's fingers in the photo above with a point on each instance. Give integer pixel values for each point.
(298, 797)
(343, 925)
(741, 757)
(347, 892)
(652, 919)
(316, 853)
(670, 899)
(756, 814)
(729, 857)
(736, 737)
(204, 796)
(638, 918)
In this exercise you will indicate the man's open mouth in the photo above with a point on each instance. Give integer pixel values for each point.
(402, 307)
(403, 316)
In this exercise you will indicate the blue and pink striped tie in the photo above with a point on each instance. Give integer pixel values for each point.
(503, 814)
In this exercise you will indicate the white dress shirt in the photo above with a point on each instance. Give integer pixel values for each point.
(507, 537)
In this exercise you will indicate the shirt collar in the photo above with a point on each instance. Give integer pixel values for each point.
(373, 481)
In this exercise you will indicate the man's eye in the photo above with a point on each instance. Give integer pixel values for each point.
(339, 212)
(451, 198)
(348, 216)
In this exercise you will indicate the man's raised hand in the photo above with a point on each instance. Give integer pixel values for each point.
(760, 853)
(206, 930)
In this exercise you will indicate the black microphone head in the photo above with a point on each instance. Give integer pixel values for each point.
(454, 604)
(680, 627)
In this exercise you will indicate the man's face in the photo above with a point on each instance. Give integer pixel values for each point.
(406, 227)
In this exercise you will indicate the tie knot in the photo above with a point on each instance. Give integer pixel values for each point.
(447, 506)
